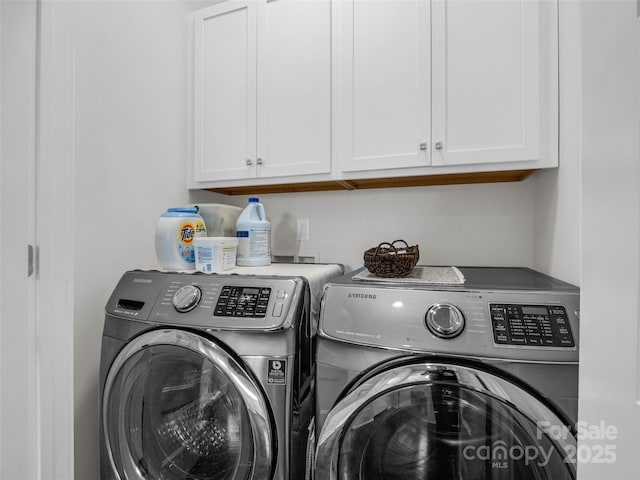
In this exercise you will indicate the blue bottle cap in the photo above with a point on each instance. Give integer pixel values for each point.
(181, 212)
(254, 200)
(183, 209)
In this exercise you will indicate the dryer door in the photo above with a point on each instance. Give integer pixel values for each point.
(443, 421)
(176, 406)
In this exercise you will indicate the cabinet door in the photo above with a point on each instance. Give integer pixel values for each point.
(225, 91)
(294, 87)
(382, 84)
(486, 75)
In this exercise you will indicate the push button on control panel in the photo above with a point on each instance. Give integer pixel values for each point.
(531, 325)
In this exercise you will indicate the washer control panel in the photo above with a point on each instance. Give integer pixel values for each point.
(531, 325)
(220, 302)
(241, 301)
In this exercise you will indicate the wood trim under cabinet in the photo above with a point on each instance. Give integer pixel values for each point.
(392, 182)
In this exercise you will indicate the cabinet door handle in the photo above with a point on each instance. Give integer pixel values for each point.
(249, 162)
(439, 145)
(30, 260)
(423, 146)
(258, 161)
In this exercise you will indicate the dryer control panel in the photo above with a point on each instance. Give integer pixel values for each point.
(531, 325)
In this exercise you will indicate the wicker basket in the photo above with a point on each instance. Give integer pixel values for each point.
(388, 261)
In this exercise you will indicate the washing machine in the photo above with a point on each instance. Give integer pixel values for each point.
(473, 379)
(209, 377)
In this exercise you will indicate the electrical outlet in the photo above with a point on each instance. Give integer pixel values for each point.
(302, 229)
(308, 257)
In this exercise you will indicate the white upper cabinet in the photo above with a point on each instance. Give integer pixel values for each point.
(294, 87)
(225, 91)
(382, 84)
(262, 89)
(471, 81)
(353, 93)
(487, 99)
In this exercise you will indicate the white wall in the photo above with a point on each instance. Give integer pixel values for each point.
(131, 144)
(610, 332)
(131, 139)
(557, 192)
(489, 224)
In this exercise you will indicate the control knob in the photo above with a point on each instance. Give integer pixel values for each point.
(187, 298)
(444, 320)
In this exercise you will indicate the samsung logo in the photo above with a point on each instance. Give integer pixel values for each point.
(367, 296)
(142, 280)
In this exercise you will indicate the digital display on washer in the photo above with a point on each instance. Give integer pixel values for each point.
(528, 310)
(238, 301)
(531, 325)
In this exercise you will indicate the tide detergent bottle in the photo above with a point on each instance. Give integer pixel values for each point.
(175, 231)
(254, 236)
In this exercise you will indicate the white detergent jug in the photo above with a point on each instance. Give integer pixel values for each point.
(175, 231)
(253, 231)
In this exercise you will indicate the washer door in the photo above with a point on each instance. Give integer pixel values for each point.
(176, 406)
(442, 421)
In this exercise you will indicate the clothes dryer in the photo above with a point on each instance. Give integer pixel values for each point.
(476, 381)
(209, 377)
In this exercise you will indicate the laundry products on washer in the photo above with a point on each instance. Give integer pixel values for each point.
(254, 236)
(215, 254)
(175, 231)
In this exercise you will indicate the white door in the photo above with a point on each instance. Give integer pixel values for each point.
(225, 91)
(382, 84)
(18, 369)
(36, 203)
(486, 75)
(294, 87)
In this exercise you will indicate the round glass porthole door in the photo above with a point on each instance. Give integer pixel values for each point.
(177, 407)
(438, 421)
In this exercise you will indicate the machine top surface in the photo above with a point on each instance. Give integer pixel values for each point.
(479, 278)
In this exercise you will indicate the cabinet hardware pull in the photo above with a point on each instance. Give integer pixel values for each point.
(259, 161)
(438, 145)
(423, 146)
(30, 260)
(249, 162)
